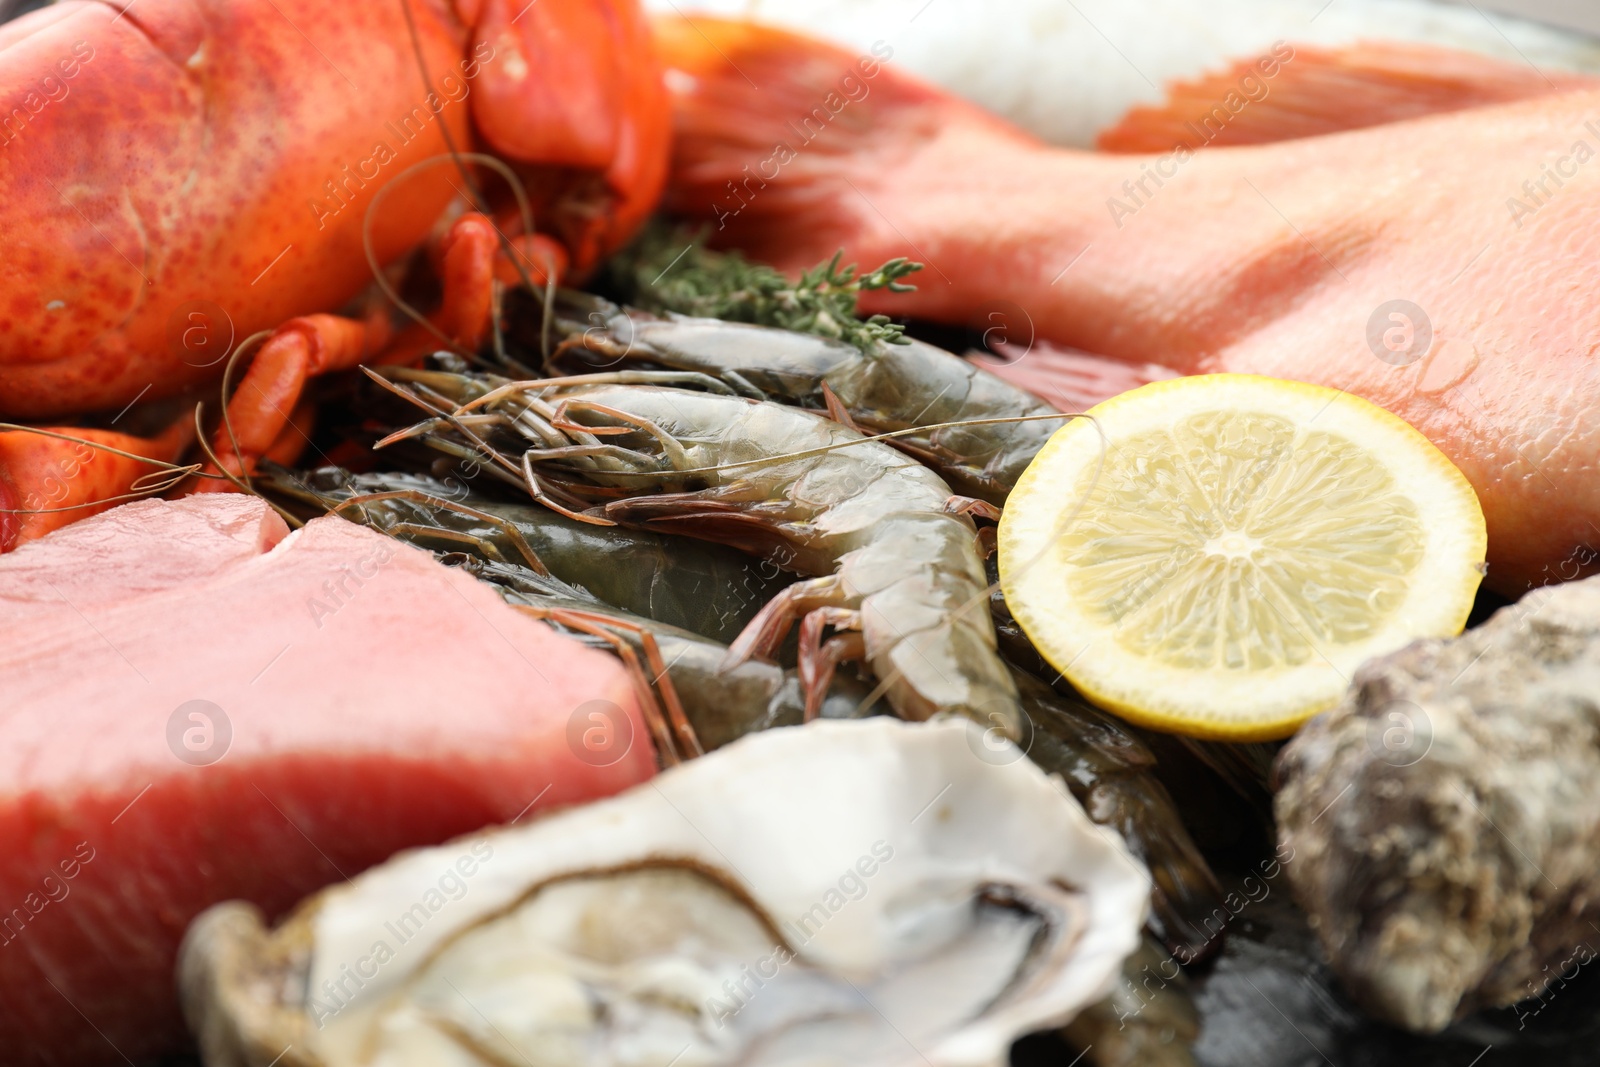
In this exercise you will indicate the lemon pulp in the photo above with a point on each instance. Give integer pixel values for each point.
(1240, 546)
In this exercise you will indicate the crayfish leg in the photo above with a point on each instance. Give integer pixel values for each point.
(258, 418)
(48, 482)
(466, 265)
(472, 256)
(259, 412)
(295, 435)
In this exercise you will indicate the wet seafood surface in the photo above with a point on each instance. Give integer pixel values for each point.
(840, 893)
(1446, 816)
(190, 692)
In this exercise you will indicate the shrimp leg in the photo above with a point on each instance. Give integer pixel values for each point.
(484, 546)
(666, 715)
(806, 493)
(765, 633)
(820, 659)
(630, 660)
(816, 604)
(707, 707)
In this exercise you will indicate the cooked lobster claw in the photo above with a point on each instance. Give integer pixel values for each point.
(190, 173)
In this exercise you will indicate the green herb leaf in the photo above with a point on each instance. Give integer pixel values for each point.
(672, 270)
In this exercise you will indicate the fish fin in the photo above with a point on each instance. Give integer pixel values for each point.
(732, 79)
(779, 136)
(1295, 92)
(1067, 378)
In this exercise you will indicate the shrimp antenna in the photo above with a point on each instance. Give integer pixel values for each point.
(170, 474)
(477, 197)
(115, 451)
(293, 520)
(446, 416)
(514, 387)
(837, 445)
(427, 83)
(169, 479)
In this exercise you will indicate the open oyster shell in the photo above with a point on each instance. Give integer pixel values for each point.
(839, 893)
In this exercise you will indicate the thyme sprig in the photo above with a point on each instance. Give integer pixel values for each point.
(672, 271)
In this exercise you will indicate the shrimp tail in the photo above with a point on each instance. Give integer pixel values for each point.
(1112, 773)
(1187, 906)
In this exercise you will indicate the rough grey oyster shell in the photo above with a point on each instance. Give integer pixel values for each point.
(1445, 817)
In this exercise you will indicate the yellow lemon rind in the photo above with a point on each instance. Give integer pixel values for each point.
(1213, 703)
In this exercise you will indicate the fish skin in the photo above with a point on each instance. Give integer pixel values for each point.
(415, 713)
(1067, 71)
(1265, 259)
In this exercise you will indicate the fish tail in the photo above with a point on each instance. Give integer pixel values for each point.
(779, 135)
(1294, 91)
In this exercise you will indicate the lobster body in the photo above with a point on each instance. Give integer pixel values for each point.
(178, 173)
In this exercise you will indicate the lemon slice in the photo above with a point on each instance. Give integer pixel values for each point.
(1242, 546)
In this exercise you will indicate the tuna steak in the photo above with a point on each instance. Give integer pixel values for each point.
(197, 705)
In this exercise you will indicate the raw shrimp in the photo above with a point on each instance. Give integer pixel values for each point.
(896, 571)
(655, 593)
(709, 590)
(1149, 1020)
(538, 559)
(721, 705)
(1105, 766)
(892, 387)
(1112, 773)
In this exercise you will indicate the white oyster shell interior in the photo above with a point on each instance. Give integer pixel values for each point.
(840, 893)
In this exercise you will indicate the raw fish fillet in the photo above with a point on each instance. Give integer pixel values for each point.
(374, 701)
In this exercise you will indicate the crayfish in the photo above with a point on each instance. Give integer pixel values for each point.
(177, 176)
